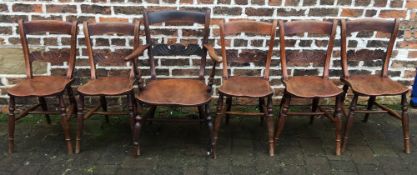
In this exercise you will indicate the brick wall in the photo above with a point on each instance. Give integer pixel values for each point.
(402, 65)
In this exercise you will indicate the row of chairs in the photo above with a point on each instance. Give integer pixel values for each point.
(195, 92)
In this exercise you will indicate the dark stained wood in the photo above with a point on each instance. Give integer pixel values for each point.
(240, 86)
(313, 87)
(45, 86)
(184, 92)
(108, 86)
(173, 91)
(373, 85)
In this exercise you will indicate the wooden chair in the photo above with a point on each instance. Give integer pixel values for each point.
(373, 86)
(45, 86)
(173, 91)
(244, 86)
(310, 87)
(107, 85)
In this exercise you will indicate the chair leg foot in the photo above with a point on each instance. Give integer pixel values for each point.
(349, 121)
(80, 124)
(217, 122)
(65, 124)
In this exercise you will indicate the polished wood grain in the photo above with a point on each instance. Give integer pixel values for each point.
(112, 85)
(45, 86)
(241, 86)
(373, 86)
(173, 91)
(311, 87)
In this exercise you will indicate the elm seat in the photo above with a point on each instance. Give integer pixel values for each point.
(40, 86)
(312, 86)
(246, 87)
(374, 85)
(185, 92)
(107, 86)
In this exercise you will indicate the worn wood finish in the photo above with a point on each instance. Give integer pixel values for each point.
(373, 85)
(45, 86)
(240, 86)
(313, 87)
(174, 91)
(108, 86)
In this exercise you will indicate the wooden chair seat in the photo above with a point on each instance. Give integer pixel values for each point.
(107, 86)
(246, 87)
(374, 85)
(184, 92)
(312, 87)
(40, 86)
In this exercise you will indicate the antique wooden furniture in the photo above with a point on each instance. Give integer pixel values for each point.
(45, 86)
(311, 87)
(244, 86)
(108, 85)
(173, 91)
(373, 85)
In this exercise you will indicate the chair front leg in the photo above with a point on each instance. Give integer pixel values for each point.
(217, 121)
(133, 110)
(44, 107)
(65, 123)
(270, 126)
(282, 118)
(338, 123)
(11, 123)
(405, 123)
(137, 126)
(349, 121)
(371, 102)
(80, 123)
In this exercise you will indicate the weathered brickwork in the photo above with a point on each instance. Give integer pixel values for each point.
(241, 47)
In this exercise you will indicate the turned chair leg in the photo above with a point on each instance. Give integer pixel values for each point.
(131, 101)
(314, 108)
(103, 103)
(80, 123)
(282, 118)
(228, 108)
(217, 122)
(371, 102)
(270, 126)
(44, 107)
(338, 123)
(11, 123)
(72, 100)
(405, 123)
(65, 123)
(349, 121)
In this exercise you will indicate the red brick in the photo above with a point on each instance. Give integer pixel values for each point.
(61, 9)
(408, 44)
(275, 2)
(411, 4)
(95, 9)
(27, 8)
(323, 12)
(113, 19)
(393, 13)
(352, 12)
(3, 7)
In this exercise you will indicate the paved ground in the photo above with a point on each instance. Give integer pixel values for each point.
(170, 148)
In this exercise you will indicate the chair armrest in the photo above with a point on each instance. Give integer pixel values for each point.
(137, 52)
(212, 53)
